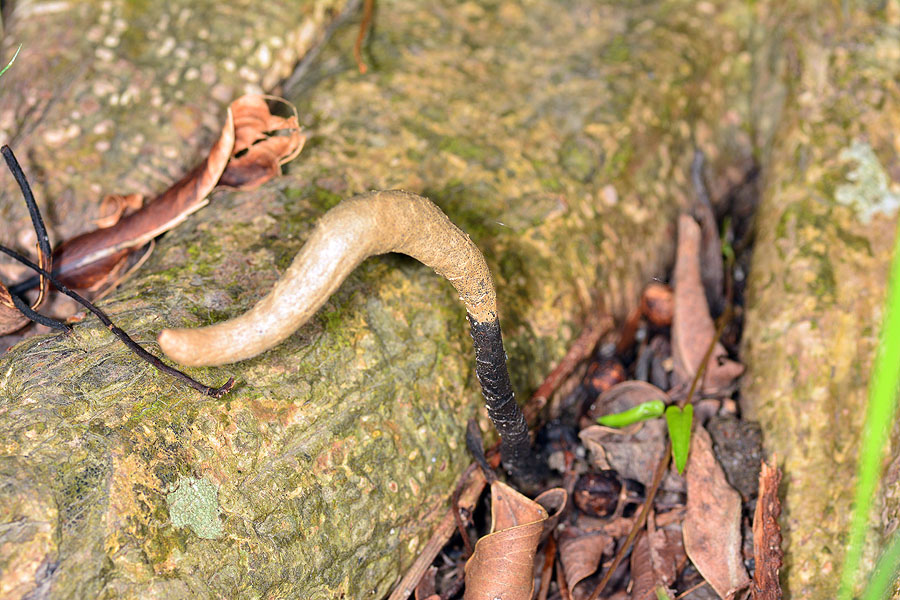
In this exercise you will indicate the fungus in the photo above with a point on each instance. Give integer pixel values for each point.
(364, 226)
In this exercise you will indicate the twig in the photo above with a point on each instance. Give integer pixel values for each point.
(36, 316)
(45, 253)
(661, 467)
(363, 27)
(561, 582)
(130, 343)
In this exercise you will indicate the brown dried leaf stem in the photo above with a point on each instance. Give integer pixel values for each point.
(119, 333)
(547, 569)
(363, 28)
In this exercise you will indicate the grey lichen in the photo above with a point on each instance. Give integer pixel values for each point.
(869, 192)
(195, 504)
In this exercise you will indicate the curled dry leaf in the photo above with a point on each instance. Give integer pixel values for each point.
(263, 142)
(86, 261)
(116, 206)
(692, 326)
(712, 525)
(767, 551)
(633, 452)
(250, 150)
(503, 563)
(581, 551)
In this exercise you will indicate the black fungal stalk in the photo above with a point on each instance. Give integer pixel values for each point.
(504, 411)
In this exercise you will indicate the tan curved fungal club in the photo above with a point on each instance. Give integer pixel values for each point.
(363, 226)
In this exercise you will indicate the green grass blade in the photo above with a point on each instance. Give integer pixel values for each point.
(11, 61)
(879, 417)
(879, 586)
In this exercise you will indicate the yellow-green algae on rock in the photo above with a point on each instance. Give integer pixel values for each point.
(558, 135)
(825, 229)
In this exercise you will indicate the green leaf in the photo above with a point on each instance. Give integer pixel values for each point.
(679, 422)
(11, 61)
(641, 412)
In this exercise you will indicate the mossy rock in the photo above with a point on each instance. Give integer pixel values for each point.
(558, 135)
(825, 231)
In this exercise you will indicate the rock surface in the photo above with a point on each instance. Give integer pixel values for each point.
(825, 230)
(558, 135)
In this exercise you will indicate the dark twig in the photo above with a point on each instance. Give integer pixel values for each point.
(36, 316)
(45, 253)
(132, 345)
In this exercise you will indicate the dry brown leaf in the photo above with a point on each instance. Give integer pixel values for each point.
(554, 501)
(712, 269)
(767, 552)
(116, 206)
(692, 326)
(503, 563)
(712, 525)
(263, 142)
(251, 148)
(643, 576)
(581, 551)
(91, 260)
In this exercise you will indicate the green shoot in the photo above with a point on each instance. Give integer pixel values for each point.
(679, 422)
(879, 417)
(641, 412)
